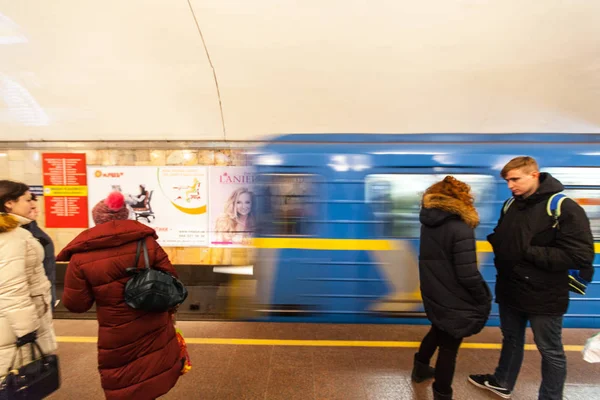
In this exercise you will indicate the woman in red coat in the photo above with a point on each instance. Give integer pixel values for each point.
(138, 353)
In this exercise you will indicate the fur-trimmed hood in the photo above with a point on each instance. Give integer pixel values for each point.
(10, 222)
(437, 208)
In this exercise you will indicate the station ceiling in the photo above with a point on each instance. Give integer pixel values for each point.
(143, 69)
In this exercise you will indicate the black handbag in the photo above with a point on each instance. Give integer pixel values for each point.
(34, 380)
(150, 289)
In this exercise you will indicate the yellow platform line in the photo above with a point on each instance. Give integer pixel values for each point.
(314, 343)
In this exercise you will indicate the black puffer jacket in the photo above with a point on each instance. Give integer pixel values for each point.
(532, 259)
(456, 298)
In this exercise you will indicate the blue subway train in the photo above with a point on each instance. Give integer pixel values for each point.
(338, 218)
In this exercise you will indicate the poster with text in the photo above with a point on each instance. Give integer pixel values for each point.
(65, 190)
(171, 200)
(232, 206)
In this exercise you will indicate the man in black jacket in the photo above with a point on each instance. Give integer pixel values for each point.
(47, 244)
(533, 258)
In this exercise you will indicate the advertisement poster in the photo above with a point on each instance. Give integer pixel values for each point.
(172, 200)
(65, 190)
(232, 206)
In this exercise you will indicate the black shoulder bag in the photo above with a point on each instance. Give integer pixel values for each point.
(150, 289)
(35, 380)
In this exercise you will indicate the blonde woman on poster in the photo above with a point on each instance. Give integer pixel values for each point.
(236, 224)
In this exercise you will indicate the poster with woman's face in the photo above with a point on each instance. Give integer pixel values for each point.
(232, 206)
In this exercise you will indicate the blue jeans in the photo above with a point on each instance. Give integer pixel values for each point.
(547, 331)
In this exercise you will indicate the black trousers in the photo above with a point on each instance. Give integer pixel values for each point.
(446, 361)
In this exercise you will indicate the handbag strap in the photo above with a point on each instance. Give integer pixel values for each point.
(12, 363)
(142, 244)
(33, 346)
(146, 259)
(137, 253)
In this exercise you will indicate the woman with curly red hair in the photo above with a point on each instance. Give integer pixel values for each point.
(456, 298)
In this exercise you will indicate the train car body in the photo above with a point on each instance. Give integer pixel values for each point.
(338, 232)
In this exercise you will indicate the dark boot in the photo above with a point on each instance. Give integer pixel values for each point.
(439, 396)
(421, 371)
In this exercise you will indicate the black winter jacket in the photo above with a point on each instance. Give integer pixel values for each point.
(532, 259)
(456, 298)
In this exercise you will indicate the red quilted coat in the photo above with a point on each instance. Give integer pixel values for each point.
(138, 353)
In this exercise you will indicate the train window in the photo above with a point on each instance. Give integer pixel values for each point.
(582, 184)
(396, 199)
(286, 204)
(576, 176)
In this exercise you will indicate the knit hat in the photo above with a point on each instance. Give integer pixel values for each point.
(110, 209)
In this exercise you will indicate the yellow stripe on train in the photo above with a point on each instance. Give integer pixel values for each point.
(347, 244)
(323, 244)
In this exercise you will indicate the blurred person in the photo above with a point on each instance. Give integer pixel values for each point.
(138, 351)
(533, 258)
(237, 223)
(25, 291)
(456, 298)
(46, 242)
(138, 201)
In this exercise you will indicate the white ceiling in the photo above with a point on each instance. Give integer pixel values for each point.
(138, 70)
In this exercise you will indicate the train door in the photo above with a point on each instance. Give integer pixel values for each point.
(288, 222)
(394, 196)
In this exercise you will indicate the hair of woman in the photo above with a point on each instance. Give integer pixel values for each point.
(11, 191)
(230, 217)
(452, 187)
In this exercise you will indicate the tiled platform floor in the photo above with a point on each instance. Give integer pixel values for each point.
(272, 372)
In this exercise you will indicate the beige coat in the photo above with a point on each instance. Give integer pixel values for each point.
(25, 296)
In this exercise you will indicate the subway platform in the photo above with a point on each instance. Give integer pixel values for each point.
(270, 361)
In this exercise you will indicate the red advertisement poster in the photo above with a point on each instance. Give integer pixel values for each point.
(65, 190)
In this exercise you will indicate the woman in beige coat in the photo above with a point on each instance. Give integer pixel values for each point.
(25, 291)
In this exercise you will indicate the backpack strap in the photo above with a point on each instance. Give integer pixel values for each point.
(553, 207)
(507, 205)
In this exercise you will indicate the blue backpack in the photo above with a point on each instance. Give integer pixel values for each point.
(552, 207)
(576, 283)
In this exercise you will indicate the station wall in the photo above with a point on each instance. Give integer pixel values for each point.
(25, 164)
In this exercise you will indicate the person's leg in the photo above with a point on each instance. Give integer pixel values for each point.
(421, 369)
(428, 346)
(513, 324)
(547, 331)
(446, 363)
